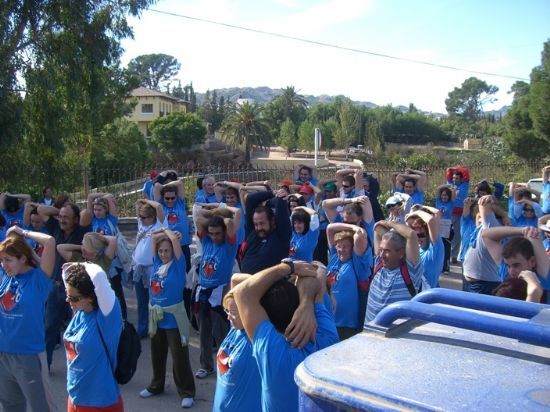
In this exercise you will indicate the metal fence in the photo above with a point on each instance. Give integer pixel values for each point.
(126, 184)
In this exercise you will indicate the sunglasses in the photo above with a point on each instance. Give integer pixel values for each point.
(75, 299)
(169, 198)
(145, 217)
(346, 186)
(420, 235)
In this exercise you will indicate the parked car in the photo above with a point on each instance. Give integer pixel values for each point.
(535, 184)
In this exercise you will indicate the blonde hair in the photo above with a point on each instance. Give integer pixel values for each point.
(228, 296)
(344, 234)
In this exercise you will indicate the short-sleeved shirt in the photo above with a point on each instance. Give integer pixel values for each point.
(237, 369)
(467, 229)
(106, 225)
(389, 287)
(217, 261)
(148, 189)
(460, 195)
(202, 197)
(302, 245)
(417, 198)
(446, 208)
(15, 219)
(176, 219)
(22, 307)
(167, 290)
(478, 263)
(345, 279)
(545, 198)
(432, 260)
(277, 360)
(143, 253)
(90, 379)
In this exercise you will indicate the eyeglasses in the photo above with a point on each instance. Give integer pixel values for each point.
(169, 198)
(230, 314)
(420, 235)
(145, 217)
(75, 299)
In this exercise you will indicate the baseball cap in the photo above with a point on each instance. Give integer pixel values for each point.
(330, 186)
(546, 227)
(306, 190)
(153, 174)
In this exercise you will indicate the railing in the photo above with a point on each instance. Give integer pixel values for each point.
(126, 184)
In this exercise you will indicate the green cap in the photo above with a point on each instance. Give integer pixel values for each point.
(329, 186)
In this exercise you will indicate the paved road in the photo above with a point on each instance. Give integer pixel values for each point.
(169, 400)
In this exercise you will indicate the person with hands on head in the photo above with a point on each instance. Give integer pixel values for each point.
(524, 251)
(25, 282)
(459, 181)
(33, 221)
(150, 218)
(172, 199)
(545, 194)
(544, 226)
(217, 230)
(305, 233)
(304, 174)
(425, 222)
(280, 318)
(350, 182)
(398, 272)
(168, 323)
(91, 339)
(522, 210)
(96, 248)
(412, 182)
(525, 287)
(12, 209)
(355, 211)
(348, 270)
(237, 368)
(208, 193)
(480, 273)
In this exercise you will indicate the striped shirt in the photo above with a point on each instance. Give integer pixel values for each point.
(388, 287)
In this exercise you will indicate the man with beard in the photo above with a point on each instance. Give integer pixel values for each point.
(267, 231)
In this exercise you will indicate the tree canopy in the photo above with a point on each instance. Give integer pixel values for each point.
(153, 70)
(176, 131)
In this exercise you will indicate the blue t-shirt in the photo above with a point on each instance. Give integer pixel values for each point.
(238, 386)
(277, 360)
(217, 262)
(302, 245)
(90, 379)
(432, 260)
(167, 290)
(545, 198)
(461, 193)
(367, 226)
(241, 233)
(15, 219)
(37, 247)
(546, 243)
(345, 279)
(202, 197)
(389, 287)
(417, 198)
(467, 229)
(446, 208)
(176, 219)
(106, 225)
(22, 305)
(148, 189)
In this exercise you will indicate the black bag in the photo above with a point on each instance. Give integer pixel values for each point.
(128, 351)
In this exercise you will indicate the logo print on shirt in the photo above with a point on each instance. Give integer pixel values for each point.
(209, 267)
(332, 278)
(156, 286)
(292, 250)
(224, 362)
(71, 350)
(11, 296)
(172, 218)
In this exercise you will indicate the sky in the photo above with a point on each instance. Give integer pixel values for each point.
(503, 37)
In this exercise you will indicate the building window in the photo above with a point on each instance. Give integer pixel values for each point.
(147, 108)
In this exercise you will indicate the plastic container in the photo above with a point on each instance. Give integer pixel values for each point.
(443, 350)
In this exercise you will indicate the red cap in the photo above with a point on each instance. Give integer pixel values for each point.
(306, 190)
(153, 174)
(286, 182)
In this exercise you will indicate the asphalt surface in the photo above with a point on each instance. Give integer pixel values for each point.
(169, 400)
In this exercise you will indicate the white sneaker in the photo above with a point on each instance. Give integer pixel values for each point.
(145, 394)
(187, 402)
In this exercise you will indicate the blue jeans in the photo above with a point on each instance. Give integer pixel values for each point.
(142, 297)
(56, 311)
(483, 287)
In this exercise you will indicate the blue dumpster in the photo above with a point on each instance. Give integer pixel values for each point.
(443, 350)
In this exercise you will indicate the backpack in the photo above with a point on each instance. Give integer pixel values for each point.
(128, 351)
(122, 248)
(404, 274)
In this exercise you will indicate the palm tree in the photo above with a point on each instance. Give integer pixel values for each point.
(245, 127)
(292, 103)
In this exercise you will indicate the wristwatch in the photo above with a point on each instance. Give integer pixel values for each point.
(290, 264)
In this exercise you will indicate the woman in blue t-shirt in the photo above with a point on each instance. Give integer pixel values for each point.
(101, 213)
(305, 233)
(24, 289)
(91, 339)
(168, 323)
(349, 268)
(444, 203)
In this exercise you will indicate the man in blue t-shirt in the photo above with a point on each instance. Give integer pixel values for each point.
(148, 186)
(217, 230)
(208, 193)
(545, 195)
(425, 223)
(524, 251)
(270, 309)
(461, 188)
(396, 245)
(413, 183)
